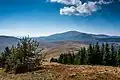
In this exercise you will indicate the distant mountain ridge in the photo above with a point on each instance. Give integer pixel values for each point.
(7, 41)
(66, 36)
(78, 36)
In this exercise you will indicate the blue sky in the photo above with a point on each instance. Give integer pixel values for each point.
(42, 18)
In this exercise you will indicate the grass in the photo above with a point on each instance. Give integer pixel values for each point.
(55, 71)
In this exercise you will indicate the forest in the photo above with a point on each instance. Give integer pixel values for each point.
(96, 54)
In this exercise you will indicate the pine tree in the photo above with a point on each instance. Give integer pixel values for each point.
(69, 58)
(118, 57)
(77, 58)
(60, 59)
(83, 56)
(107, 55)
(64, 60)
(113, 56)
(53, 60)
(4, 56)
(97, 58)
(94, 54)
(90, 54)
(102, 54)
(72, 58)
(23, 56)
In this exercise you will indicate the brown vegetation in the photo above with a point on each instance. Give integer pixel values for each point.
(56, 48)
(55, 71)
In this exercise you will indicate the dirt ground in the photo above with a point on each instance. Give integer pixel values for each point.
(55, 71)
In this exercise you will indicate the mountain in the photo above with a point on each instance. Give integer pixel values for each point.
(78, 36)
(7, 41)
(70, 36)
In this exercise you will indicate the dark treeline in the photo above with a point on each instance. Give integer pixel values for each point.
(96, 54)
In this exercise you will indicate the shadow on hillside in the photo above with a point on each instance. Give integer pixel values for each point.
(20, 71)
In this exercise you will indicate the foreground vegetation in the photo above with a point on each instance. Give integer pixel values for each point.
(95, 54)
(54, 71)
(23, 57)
(26, 57)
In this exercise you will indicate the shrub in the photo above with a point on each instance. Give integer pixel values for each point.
(23, 57)
(53, 60)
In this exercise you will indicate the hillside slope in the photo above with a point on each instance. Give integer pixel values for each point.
(54, 49)
(7, 41)
(55, 71)
(79, 36)
(70, 37)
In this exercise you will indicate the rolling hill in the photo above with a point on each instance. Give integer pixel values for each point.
(72, 41)
(7, 41)
(66, 40)
(78, 36)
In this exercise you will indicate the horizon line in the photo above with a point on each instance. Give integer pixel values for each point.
(61, 33)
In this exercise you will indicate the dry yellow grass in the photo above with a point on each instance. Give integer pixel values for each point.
(55, 71)
(62, 47)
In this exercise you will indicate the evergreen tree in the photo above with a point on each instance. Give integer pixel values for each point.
(94, 54)
(102, 54)
(90, 54)
(72, 58)
(69, 58)
(77, 58)
(60, 59)
(23, 56)
(4, 56)
(83, 56)
(64, 60)
(97, 57)
(53, 60)
(107, 55)
(113, 56)
(118, 57)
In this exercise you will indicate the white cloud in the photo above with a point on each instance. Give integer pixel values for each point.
(67, 10)
(104, 2)
(76, 7)
(87, 8)
(83, 9)
(67, 2)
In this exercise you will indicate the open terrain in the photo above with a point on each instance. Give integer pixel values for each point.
(55, 71)
(63, 42)
(56, 44)
(54, 49)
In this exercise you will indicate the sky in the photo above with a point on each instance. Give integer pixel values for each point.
(45, 17)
